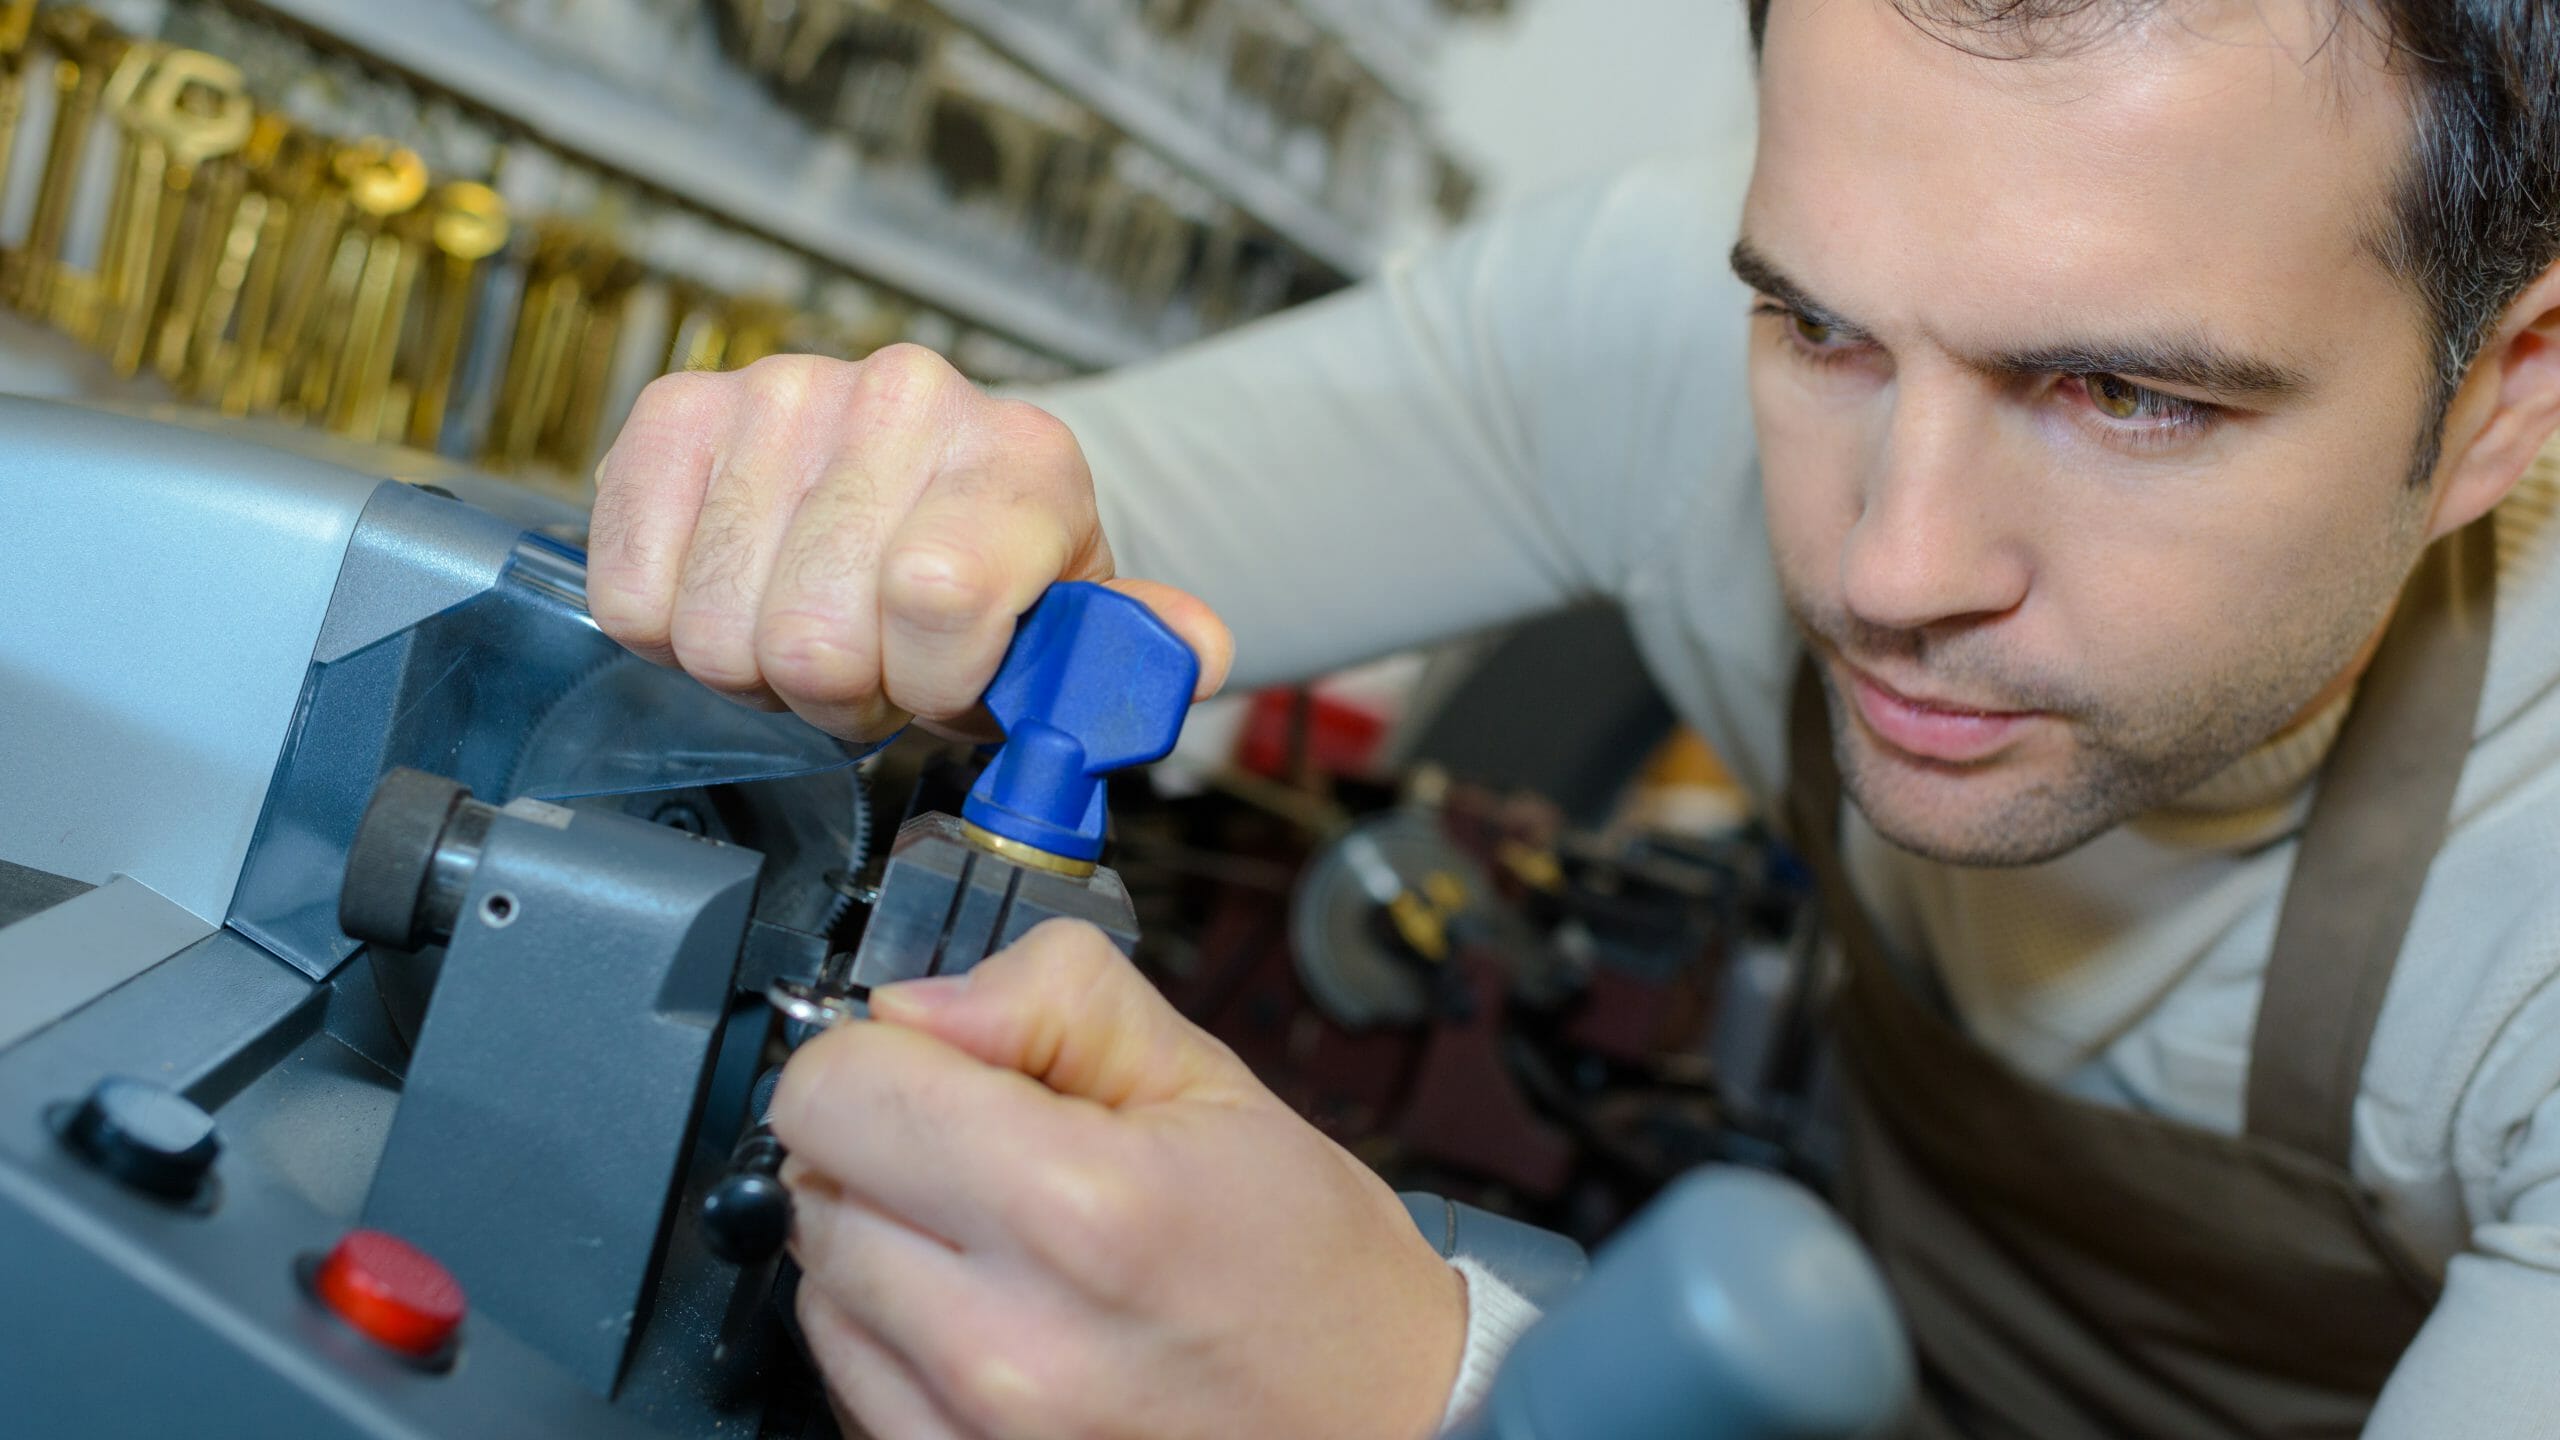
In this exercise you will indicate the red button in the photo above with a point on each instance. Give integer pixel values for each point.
(392, 1291)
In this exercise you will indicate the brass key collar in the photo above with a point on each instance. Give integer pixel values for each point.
(1031, 856)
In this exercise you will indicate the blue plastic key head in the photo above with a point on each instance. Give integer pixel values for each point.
(1094, 683)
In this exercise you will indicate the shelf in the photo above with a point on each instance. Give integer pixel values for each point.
(1149, 119)
(768, 174)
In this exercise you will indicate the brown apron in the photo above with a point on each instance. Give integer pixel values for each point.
(2069, 1269)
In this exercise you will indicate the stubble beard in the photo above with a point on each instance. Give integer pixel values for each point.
(2128, 754)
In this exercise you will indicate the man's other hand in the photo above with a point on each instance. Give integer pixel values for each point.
(852, 540)
(1034, 1201)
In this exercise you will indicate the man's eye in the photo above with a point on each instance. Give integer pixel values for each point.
(2139, 414)
(2120, 399)
(1809, 335)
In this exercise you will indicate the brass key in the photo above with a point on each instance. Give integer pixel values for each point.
(84, 303)
(697, 332)
(467, 224)
(195, 347)
(560, 365)
(547, 324)
(187, 108)
(311, 272)
(383, 184)
(611, 277)
(758, 327)
(17, 29)
(87, 51)
(291, 185)
(712, 331)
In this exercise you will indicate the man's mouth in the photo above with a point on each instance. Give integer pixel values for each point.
(1945, 730)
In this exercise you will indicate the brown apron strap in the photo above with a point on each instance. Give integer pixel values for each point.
(1812, 802)
(2385, 799)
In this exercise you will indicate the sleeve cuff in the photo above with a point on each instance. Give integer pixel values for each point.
(1496, 1318)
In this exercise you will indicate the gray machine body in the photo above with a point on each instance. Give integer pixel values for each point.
(1736, 1307)
(573, 1027)
(211, 652)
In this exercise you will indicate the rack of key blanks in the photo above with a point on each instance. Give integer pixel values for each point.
(479, 227)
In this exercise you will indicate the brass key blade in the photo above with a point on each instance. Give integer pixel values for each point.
(469, 225)
(189, 107)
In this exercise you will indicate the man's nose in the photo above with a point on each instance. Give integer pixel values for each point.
(1939, 536)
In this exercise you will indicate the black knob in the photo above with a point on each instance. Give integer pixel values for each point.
(148, 1136)
(384, 899)
(747, 1218)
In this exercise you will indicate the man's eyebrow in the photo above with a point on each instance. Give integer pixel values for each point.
(2192, 362)
(1760, 273)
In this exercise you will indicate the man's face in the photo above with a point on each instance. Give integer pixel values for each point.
(2086, 420)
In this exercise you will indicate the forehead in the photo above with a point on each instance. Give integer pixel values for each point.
(2205, 160)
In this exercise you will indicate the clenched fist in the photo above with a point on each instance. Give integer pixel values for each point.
(852, 540)
(1034, 1203)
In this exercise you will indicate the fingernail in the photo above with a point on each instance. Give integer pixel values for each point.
(919, 998)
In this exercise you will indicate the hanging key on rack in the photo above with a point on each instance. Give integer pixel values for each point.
(374, 180)
(384, 183)
(86, 53)
(186, 108)
(195, 265)
(560, 361)
(194, 347)
(84, 303)
(572, 440)
(466, 224)
(294, 357)
(17, 35)
(288, 178)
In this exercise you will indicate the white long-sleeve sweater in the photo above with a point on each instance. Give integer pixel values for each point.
(1551, 408)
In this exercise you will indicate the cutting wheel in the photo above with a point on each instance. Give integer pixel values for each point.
(1346, 956)
(551, 744)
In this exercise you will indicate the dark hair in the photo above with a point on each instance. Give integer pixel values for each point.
(2475, 212)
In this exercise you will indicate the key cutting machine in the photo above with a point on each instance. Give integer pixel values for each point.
(393, 973)
(384, 953)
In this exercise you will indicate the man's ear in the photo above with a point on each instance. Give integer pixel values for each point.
(2506, 412)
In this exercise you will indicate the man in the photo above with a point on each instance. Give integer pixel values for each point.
(2129, 384)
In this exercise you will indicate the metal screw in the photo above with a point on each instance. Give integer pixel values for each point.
(677, 815)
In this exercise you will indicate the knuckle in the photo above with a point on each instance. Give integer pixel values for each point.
(714, 648)
(1058, 967)
(903, 379)
(938, 584)
(1029, 430)
(1098, 1226)
(1002, 1390)
(808, 657)
(1047, 965)
(785, 384)
(1073, 954)
(678, 403)
(627, 615)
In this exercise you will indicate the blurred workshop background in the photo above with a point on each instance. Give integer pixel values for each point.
(477, 227)
(438, 236)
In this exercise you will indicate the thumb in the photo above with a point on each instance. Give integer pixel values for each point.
(1199, 626)
(1066, 1008)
